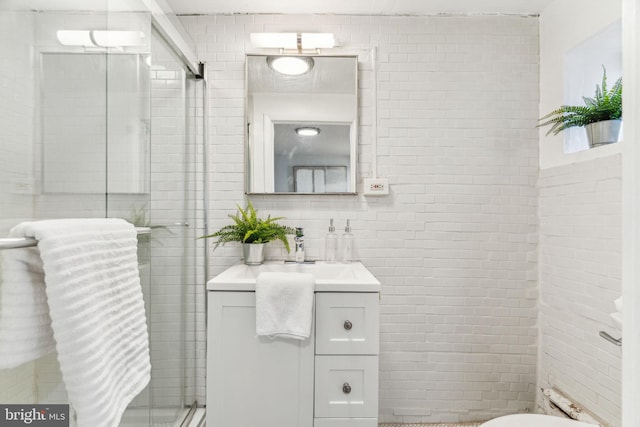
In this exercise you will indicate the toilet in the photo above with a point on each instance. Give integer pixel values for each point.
(533, 420)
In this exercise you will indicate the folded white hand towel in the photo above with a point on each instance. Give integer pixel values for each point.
(617, 315)
(284, 304)
(94, 299)
(617, 319)
(618, 304)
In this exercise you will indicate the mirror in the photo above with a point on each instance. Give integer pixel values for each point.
(302, 129)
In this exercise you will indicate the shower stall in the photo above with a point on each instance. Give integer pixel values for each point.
(101, 115)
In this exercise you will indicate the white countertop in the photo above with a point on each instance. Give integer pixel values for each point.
(330, 277)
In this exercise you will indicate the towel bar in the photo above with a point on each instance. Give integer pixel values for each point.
(611, 339)
(25, 242)
(17, 242)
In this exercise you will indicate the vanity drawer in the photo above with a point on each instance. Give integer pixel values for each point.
(346, 386)
(347, 323)
(345, 422)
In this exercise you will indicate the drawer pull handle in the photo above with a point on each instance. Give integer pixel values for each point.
(346, 388)
(348, 325)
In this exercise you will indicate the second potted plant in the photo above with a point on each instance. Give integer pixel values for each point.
(601, 116)
(253, 232)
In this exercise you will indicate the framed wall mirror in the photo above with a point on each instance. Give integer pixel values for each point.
(301, 133)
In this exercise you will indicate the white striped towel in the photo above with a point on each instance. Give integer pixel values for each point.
(95, 303)
(25, 325)
(284, 304)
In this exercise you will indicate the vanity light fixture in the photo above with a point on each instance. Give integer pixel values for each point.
(290, 65)
(293, 42)
(307, 131)
(74, 38)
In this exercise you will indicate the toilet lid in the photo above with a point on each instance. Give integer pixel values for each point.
(533, 420)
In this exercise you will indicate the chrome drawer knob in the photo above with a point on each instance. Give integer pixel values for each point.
(348, 325)
(346, 388)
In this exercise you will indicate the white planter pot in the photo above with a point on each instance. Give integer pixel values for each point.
(253, 253)
(604, 132)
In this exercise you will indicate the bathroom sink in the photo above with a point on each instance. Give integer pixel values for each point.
(330, 277)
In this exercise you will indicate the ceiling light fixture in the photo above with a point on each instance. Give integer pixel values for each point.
(307, 131)
(290, 65)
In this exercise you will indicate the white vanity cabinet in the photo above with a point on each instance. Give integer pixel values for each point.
(251, 380)
(329, 380)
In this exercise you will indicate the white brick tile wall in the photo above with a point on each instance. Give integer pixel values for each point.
(455, 243)
(580, 277)
(16, 160)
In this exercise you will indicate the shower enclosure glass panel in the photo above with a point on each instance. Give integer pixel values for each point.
(169, 275)
(107, 130)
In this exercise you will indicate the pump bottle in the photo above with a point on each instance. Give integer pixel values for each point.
(331, 244)
(347, 244)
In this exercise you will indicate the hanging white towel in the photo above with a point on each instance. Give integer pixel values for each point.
(25, 324)
(95, 311)
(284, 304)
(617, 315)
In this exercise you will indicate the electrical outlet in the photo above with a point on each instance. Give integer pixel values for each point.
(376, 186)
(21, 185)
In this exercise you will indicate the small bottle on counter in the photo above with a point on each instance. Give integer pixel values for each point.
(299, 241)
(346, 247)
(331, 244)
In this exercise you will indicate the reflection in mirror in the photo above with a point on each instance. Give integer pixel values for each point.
(76, 136)
(294, 151)
(281, 157)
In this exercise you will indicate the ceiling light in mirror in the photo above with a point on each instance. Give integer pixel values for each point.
(290, 65)
(307, 131)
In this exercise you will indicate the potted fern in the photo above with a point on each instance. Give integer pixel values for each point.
(253, 232)
(601, 116)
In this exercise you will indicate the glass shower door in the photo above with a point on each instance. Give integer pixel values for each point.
(89, 131)
(167, 253)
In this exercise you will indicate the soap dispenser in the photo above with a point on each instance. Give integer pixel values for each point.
(299, 240)
(331, 244)
(347, 244)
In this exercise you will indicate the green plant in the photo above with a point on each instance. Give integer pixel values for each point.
(605, 105)
(247, 227)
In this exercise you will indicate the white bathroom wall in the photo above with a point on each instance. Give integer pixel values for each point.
(580, 277)
(455, 242)
(580, 231)
(16, 160)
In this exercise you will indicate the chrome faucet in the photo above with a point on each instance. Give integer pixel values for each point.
(299, 240)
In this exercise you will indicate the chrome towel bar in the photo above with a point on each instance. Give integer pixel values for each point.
(25, 242)
(17, 242)
(611, 339)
